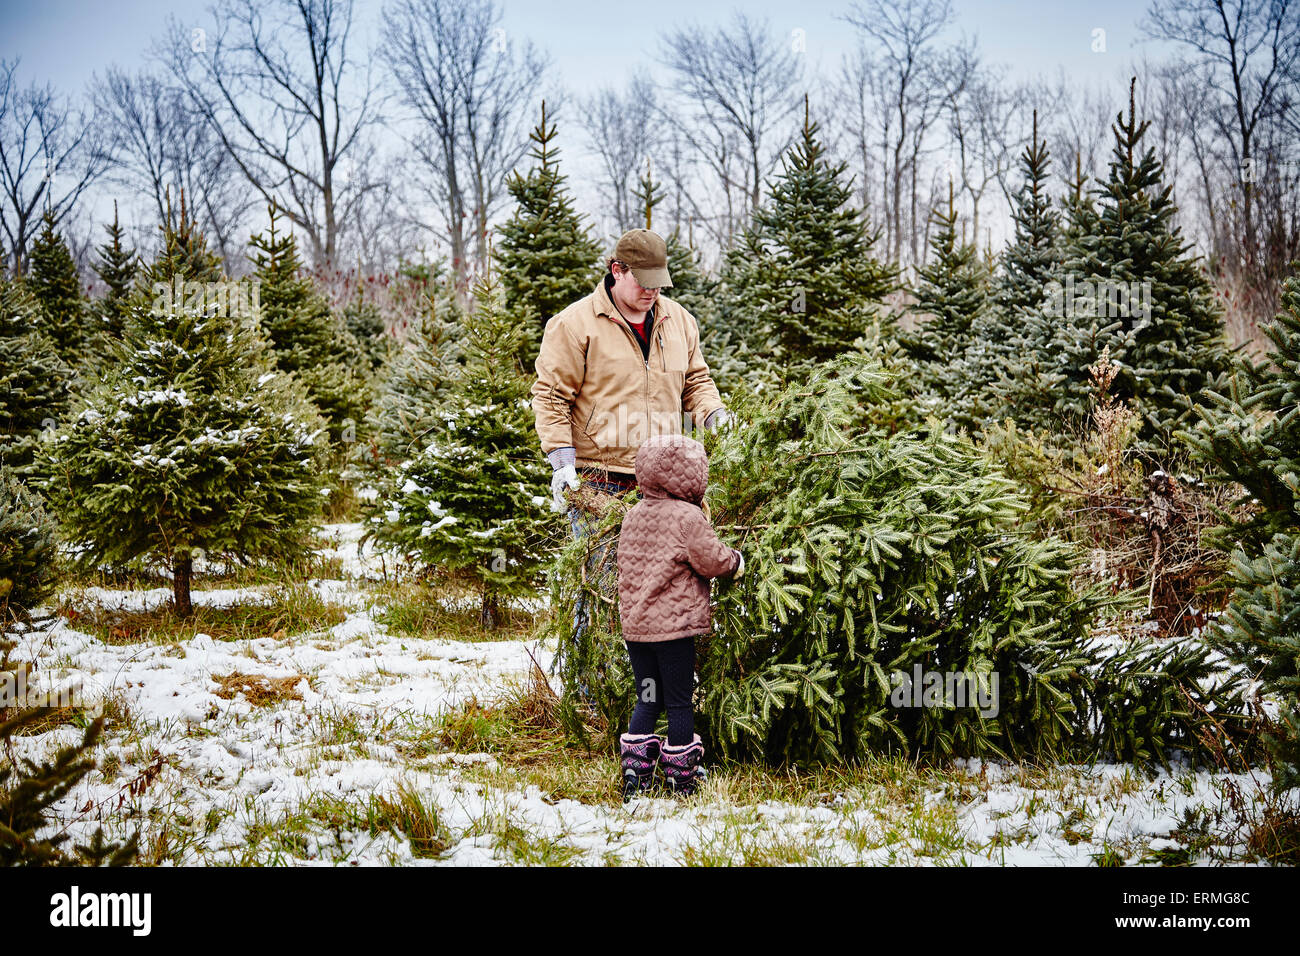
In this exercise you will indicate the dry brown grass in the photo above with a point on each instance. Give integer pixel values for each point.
(258, 689)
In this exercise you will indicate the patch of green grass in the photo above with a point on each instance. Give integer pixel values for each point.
(531, 849)
(293, 610)
(406, 813)
(746, 839)
(1107, 856)
(415, 610)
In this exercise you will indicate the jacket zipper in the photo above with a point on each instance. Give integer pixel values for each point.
(645, 388)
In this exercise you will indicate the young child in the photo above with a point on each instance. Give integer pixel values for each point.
(667, 554)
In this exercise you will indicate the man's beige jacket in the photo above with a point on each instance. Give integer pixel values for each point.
(596, 391)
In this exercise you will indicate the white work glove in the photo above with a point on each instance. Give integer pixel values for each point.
(740, 568)
(719, 420)
(566, 476)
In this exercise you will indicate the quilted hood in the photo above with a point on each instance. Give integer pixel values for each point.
(672, 466)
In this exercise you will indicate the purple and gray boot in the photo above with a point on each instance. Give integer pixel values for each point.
(681, 767)
(640, 753)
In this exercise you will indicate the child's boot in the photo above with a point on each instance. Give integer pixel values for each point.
(640, 753)
(681, 767)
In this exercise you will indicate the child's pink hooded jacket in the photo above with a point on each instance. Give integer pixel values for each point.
(667, 551)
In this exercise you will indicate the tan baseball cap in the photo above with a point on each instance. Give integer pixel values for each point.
(646, 254)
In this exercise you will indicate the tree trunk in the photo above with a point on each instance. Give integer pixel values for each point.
(182, 567)
(487, 614)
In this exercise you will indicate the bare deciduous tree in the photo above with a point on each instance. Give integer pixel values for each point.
(470, 87)
(905, 84)
(158, 150)
(49, 155)
(1248, 54)
(620, 125)
(738, 85)
(277, 85)
(983, 118)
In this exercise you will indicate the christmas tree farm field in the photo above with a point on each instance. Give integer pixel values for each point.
(380, 736)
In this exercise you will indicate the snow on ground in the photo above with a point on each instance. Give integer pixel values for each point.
(213, 780)
(359, 561)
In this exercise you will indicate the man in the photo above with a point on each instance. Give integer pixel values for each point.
(615, 368)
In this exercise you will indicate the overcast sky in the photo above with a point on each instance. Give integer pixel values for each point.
(593, 44)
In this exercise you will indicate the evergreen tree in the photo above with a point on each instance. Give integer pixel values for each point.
(1031, 260)
(1031, 391)
(472, 501)
(191, 442)
(416, 380)
(1250, 434)
(27, 550)
(184, 254)
(118, 266)
(364, 320)
(1007, 343)
(801, 285)
(35, 383)
(29, 790)
(54, 282)
(1132, 285)
(698, 293)
(1079, 209)
(547, 258)
(691, 288)
(306, 337)
(952, 292)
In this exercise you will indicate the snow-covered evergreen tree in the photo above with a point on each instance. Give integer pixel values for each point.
(546, 255)
(192, 441)
(416, 379)
(472, 501)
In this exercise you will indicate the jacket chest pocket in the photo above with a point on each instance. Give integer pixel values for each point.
(673, 353)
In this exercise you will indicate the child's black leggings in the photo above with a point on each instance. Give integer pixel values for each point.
(665, 678)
